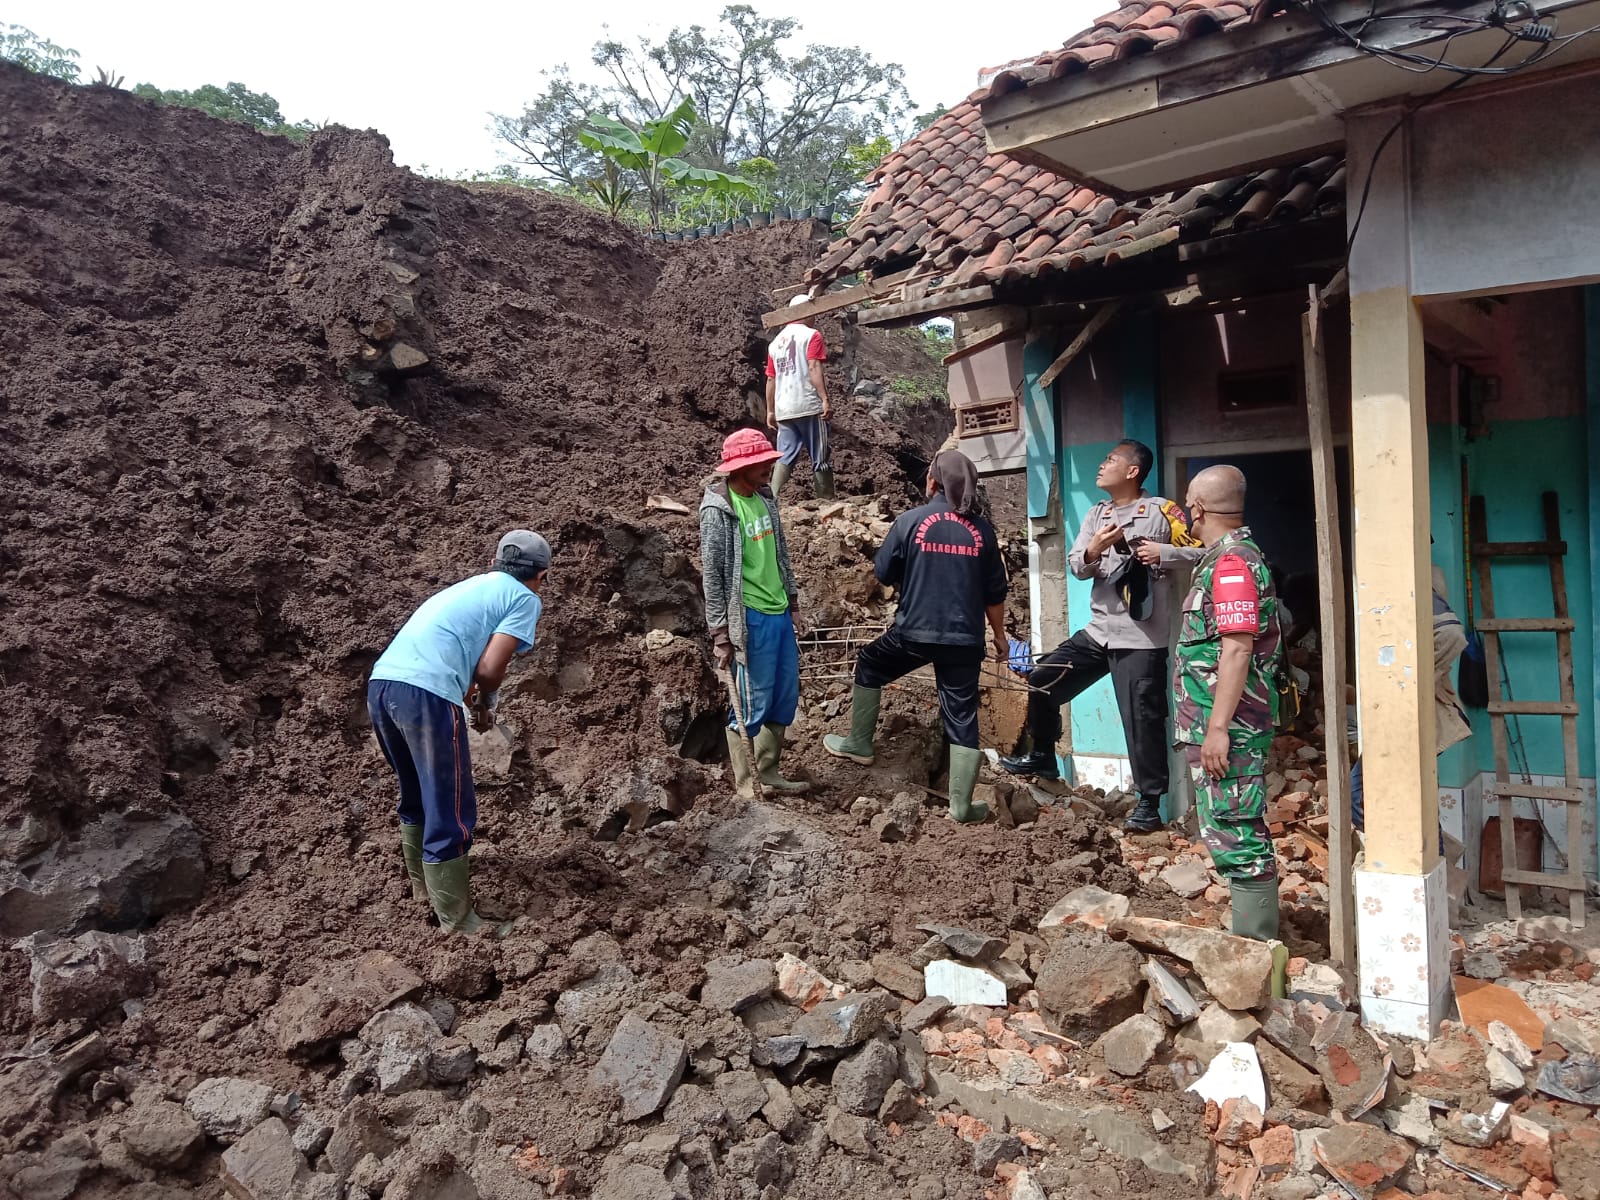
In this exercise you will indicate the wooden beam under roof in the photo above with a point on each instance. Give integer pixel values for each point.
(828, 302)
(925, 308)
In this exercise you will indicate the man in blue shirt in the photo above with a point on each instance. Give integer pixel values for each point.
(451, 656)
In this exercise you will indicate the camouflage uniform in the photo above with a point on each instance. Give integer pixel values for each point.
(1231, 809)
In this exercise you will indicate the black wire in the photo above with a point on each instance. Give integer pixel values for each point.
(1419, 64)
(1372, 166)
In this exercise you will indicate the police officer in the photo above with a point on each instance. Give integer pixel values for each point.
(1128, 542)
(1224, 686)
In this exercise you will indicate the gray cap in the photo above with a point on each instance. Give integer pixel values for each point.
(523, 548)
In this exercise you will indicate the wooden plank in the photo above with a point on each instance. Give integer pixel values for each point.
(1534, 791)
(982, 339)
(1331, 587)
(928, 306)
(833, 301)
(1565, 880)
(1075, 347)
(1534, 708)
(1518, 549)
(1526, 624)
(1569, 722)
(1506, 809)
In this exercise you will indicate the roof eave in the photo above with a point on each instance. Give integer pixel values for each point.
(1212, 106)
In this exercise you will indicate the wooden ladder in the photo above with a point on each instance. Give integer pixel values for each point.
(1503, 788)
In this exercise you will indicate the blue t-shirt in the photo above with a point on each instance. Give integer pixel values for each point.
(439, 647)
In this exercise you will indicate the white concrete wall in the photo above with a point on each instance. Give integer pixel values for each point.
(1505, 188)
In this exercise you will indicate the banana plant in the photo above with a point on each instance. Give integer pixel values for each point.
(653, 150)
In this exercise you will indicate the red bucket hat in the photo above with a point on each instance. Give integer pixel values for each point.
(745, 448)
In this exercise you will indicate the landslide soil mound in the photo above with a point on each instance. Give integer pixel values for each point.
(263, 398)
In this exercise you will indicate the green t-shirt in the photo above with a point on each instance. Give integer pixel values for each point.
(763, 582)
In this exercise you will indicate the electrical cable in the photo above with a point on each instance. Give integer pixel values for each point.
(1513, 17)
(1383, 142)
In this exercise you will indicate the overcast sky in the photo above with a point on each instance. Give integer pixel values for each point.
(427, 74)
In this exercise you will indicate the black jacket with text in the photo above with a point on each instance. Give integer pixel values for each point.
(948, 568)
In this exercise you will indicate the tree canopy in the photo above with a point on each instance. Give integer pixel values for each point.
(27, 49)
(819, 119)
(232, 103)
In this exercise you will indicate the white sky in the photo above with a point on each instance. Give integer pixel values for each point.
(427, 74)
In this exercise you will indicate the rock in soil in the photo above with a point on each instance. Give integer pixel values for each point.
(82, 976)
(643, 1064)
(1088, 983)
(861, 1081)
(162, 1135)
(993, 1149)
(839, 1024)
(1236, 971)
(733, 985)
(340, 999)
(227, 1109)
(264, 1165)
(1129, 1046)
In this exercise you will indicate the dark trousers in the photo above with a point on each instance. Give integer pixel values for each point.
(956, 671)
(1139, 678)
(424, 737)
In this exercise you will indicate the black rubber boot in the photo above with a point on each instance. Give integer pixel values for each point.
(1146, 815)
(1040, 761)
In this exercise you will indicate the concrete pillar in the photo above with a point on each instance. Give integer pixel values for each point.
(1402, 910)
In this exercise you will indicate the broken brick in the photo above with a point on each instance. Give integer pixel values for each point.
(1364, 1159)
(1238, 1122)
(1273, 1151)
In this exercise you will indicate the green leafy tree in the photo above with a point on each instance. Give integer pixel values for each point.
(653, 153)
(27, 49)
(232, 103)
(809, 113)
(546, 134)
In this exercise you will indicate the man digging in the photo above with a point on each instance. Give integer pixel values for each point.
(1229, 656)
(750, 603)
(1125, 545)
(945, 559)
(452, 656)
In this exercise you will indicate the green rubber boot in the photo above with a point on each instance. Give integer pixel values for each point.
(769, 749)
(964, 764)
(822, 483)
(780, 476)
(858, 746)
(450, 893)
(744, 776)
(1255, 908)
(411, 851)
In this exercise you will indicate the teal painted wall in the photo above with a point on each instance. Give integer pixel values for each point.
(1591, 313)
(1040, 420)
(1096, 725)
(1140, 352)
(1512, 468)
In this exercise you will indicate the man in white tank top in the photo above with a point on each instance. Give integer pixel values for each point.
(797, 402)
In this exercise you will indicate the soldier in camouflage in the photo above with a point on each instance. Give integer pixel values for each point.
(1224, 684)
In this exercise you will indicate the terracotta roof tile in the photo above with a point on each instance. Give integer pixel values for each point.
(1135, 27)
(966, 216)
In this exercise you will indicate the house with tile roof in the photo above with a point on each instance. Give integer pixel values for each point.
(1350, 248)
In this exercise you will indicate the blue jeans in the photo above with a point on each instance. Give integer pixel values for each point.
(804, 433)
(424, 738)
(768, 681)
